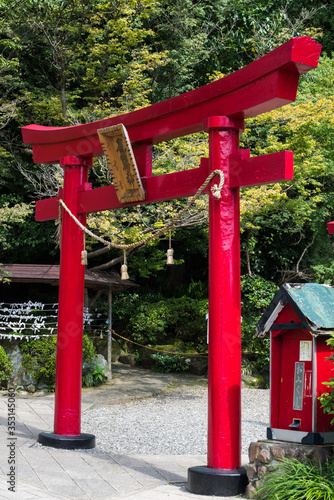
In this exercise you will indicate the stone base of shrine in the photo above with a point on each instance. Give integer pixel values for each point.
(264, 456)
(216, 482)
(80, 442)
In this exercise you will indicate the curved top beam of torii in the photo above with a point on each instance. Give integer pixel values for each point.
(267, 83)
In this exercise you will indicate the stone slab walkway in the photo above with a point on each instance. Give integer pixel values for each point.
(46, 473)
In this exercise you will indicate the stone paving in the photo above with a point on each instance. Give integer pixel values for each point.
(47, 473)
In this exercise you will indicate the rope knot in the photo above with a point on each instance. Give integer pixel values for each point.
(216, 189)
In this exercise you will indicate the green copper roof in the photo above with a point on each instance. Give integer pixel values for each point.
(315, 301)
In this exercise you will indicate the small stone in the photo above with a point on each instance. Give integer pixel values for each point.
(253, 451)
(262, 471)
(127, 359)
(197, 365)
(250, 491)
(290, 452)
(278, 452)
(320, 456)
(264, 456)
(31, 388)
(251, 471)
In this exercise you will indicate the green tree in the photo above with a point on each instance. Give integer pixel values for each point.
(286, 223)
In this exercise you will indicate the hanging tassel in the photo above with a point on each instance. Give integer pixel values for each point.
(84, 257)
(170, 260)
(58, 228)
(124, 269)
(170, 251)
(84, 260)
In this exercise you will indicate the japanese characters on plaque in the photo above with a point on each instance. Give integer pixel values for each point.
(121, 163)
(298, 386)
(305, 350)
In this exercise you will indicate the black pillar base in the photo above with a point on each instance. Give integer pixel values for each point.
(218, 482)
(81, 441)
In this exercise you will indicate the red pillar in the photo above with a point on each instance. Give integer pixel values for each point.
(223, 475)
(224, 377)
(67, 417)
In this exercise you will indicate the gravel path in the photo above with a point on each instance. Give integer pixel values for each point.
(174, 423)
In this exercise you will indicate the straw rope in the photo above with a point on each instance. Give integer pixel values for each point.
(159, 350)
(216, 191)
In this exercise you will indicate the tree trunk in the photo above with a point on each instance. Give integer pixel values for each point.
(63, 95)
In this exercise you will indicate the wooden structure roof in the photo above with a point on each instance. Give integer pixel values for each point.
(312, 302)
(45, 273)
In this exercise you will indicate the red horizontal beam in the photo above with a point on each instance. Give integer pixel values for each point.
(265, 84)
(274, 167)
(244, 172)
(160, 188)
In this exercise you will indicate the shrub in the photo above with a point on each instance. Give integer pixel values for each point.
(293, 480)
(182, 318)
(256, 295)
(166, 363)
(39, 357)
(149, 323)
(5, 368)
(88, 348)
(327, 398)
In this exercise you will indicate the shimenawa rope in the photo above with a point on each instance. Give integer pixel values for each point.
(216, 191)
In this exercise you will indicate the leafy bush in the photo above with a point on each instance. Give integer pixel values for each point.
(98, 375)
(88, 348)
(87, 380)
(327, 398)
(39, 357)
(92, 379)
(183, 318)
(166, 363)
(256, 295)
(5, 368)
(293, 480)
(149, 323)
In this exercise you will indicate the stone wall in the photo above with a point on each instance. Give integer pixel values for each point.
(265, 455)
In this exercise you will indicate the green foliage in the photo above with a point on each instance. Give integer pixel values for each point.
(5, 368)
(20, 233)
(256, 295)
(327, 398)
(94, 378)
(293, 480)
(182, 318)
(88, 348)
(149, 325)
(98, 375)
(286, 224)
(166, 363)
(87, 380)
(39, 357)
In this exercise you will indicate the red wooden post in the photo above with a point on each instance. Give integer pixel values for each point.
(224, 306)
(67, 417)
(223, 474)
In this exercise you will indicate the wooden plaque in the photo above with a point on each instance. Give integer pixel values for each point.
(122, 164)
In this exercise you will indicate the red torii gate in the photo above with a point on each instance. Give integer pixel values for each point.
(218, 108)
